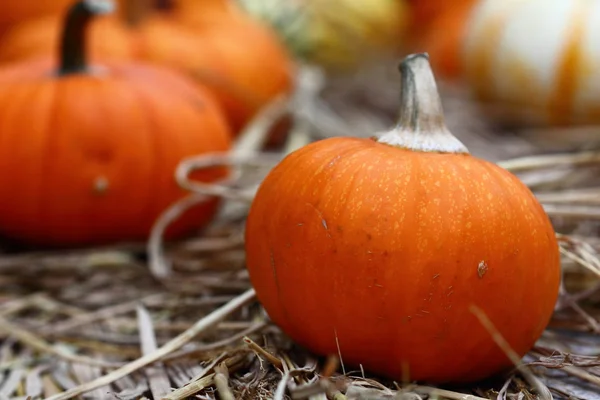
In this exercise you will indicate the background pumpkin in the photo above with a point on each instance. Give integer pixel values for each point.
(242, 78)
(424, 12)
(209, 45)
(338, 35)
(89, 154)
(538, 60)
(16, 11)
(441, 34)
(200, 13)
(36, 37)
(377, 248)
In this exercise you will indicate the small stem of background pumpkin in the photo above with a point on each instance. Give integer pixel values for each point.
(136, 11)
(73, 54)
(166, 5)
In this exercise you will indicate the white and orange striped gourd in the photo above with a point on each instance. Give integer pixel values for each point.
(539, 59)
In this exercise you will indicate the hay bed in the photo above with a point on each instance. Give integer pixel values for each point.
(180, 320)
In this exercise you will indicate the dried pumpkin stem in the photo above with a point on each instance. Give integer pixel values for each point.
(421, 126)
(73, 54)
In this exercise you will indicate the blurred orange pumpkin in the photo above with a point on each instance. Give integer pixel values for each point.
(243, 78)
(89, 151)
(439, 30)
(16, 11)
(197, 13)
(33, 38)
(424, 12)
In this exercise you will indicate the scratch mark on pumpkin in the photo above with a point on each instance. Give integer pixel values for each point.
(323, 222)
(277, 286)
(436, 276)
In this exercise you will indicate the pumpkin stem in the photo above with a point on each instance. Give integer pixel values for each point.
(73, 54)
(136, 11)
(421, 126)
(164, 5)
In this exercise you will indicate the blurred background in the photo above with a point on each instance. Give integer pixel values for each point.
(517, 78)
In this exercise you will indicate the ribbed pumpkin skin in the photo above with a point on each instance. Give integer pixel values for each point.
(107, 40)
(539, 58)
(242, 78)
(383, 248)
(128, 126)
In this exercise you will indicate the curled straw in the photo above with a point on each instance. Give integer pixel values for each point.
(245, 153)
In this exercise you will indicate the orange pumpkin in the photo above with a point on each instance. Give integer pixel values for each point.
(425, 12)
(16, 11)
(89, 151)
(34, 38)
(242, 78)
(377, 248)
(443, 38)
(208, 44)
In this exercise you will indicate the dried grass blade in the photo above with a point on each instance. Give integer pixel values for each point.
(252, 345)
(175, 344)
(156, 374)
(159, 265)
(550, 160)
(579, 260)
(221, 343)
(205, 379)
(281, 386)
(10, 385)
(447, 394)
(581, 374)
(222, 382)
(572, 211)
(41, 345)
(104, 313)
(255, 135)
(542, 389)
(85, 373)
(33, 382)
